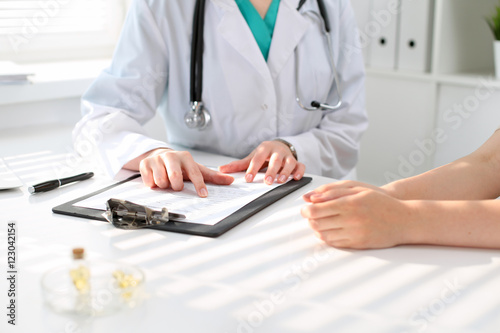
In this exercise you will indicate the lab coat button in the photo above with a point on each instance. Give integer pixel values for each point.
(264, 106)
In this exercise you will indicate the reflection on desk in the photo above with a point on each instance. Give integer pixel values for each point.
(269, 274)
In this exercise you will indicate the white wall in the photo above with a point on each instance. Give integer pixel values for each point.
(401, 113)
(468, 116)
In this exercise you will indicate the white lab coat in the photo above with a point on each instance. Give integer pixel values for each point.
(250, 101)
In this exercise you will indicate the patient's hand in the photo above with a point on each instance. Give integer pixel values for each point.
(360, 216)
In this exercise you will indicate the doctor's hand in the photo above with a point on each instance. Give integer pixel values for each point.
(166, 168)
(359, 217)
(274, 155)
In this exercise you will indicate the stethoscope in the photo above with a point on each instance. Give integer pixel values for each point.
(199, 117)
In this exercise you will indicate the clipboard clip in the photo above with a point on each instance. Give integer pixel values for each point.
(128, 215)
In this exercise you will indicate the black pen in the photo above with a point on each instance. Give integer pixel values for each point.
(53, 184)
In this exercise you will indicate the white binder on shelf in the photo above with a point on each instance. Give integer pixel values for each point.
(383, 31)
(415, 37)
(362, 12)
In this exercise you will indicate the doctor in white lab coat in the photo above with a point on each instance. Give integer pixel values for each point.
(252, 102)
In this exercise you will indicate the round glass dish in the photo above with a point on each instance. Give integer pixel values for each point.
(105, 287)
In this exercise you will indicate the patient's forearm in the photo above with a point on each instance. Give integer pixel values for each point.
(457, 223)
(460, 180)
(473, 177)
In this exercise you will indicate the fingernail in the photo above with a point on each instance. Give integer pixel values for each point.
(249, 177)
(203, 192)
(297, 176)
(282, 179)
(269, 179)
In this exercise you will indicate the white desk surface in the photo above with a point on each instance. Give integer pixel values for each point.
(269, 274)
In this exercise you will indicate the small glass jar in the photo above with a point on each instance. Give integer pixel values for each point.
(112, 287)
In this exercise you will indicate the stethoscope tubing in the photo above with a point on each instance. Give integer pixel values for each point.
(197, 45)
(315, 105)
(200, 118)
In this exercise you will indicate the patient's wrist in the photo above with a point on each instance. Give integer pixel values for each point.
(414, 225)
(394, 189)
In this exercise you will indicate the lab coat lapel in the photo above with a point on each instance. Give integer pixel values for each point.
(289, 29)
(234, 29)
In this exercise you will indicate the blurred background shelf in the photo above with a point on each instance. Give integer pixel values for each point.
(427, 118)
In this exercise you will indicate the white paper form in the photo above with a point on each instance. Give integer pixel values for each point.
(222, 200)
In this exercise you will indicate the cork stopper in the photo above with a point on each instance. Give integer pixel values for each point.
(78, 253)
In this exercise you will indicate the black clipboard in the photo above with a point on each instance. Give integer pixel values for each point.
(215, 230)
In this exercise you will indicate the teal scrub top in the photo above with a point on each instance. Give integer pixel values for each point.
(262, 28)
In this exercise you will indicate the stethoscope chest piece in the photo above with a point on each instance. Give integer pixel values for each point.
(197, 117)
